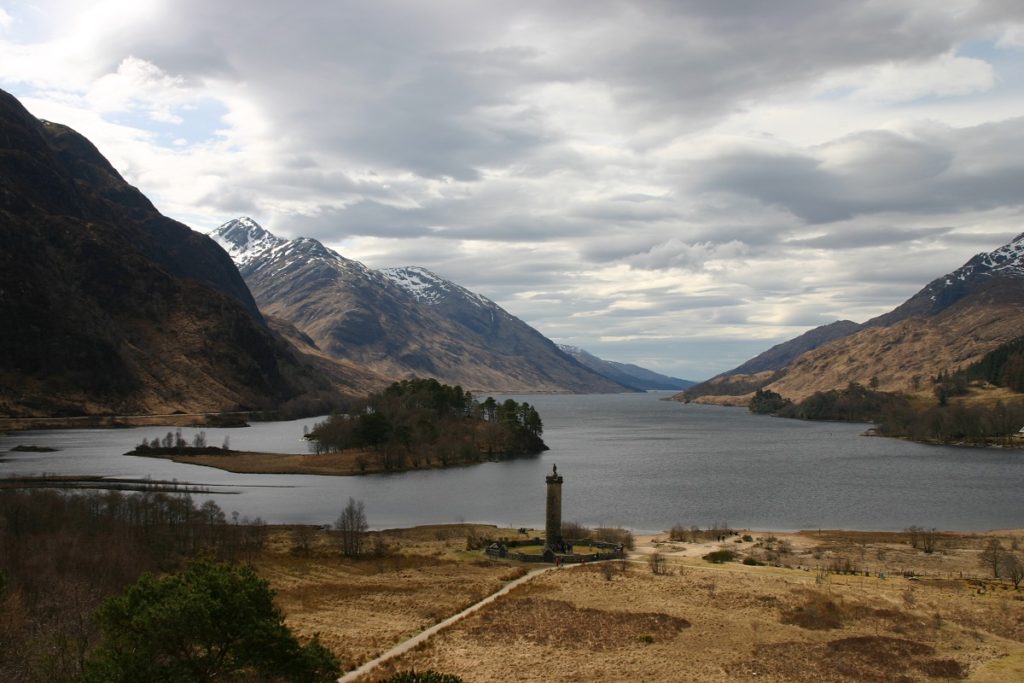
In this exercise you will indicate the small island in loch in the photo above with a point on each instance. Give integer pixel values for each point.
(412, 424)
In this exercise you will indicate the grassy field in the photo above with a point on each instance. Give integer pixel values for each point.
(699, 621)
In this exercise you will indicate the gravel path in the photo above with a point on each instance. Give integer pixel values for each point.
(425, 635)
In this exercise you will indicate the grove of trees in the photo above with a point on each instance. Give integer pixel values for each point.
(62, 554)
(351, 527)
(421, 422)
(944, 421)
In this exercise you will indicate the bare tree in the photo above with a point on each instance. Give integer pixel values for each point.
(302, 539)
(924, 539)
(1011, 566)
(929, 539)
(659, 565)
(989, 558)
(351, 524)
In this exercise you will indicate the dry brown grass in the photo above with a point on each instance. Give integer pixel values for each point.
(559, 623)
(731, 622)
(362, 607)
(342, 464)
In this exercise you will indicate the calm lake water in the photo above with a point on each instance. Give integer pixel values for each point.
(629, 460)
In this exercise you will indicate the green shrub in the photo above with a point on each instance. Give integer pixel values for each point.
(209, 622)
(720, 556)
(751, 562)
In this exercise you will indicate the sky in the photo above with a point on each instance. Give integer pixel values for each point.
(679, 185)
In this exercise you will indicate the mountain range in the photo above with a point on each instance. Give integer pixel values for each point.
(110, 307)
(952, 322)
(627, 374)
(399, 322)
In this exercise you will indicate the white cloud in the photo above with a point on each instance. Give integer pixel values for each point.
(947, 75)
(138, 84)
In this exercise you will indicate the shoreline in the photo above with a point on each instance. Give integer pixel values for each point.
(222, 420)
(342, 464)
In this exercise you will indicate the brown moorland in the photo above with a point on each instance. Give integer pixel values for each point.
(792, 619)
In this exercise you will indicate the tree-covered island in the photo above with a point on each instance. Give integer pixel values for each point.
(423, 423)
(412, 424)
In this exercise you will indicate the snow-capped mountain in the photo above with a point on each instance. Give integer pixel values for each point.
(399, 322)
(997, 275)
(244, 240)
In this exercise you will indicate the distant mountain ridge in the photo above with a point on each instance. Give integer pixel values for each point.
(627, 374)
(399, 322)
(110, 307)
(950, 323)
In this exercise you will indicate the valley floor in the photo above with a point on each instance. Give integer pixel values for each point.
(697, 621)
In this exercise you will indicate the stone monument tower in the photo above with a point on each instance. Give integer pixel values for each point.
(553, 526)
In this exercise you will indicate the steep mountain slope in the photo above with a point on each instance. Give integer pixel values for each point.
(627, 374)
(108, 306)
(993, 277)
(767, 366)
(399, 323)
(952, 322)
(781, 355)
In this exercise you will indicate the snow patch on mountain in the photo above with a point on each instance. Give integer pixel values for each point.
(251, 246)
(1007, 260)
(430, 288)
(245, 240)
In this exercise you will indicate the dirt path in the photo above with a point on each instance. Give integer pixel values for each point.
(425, 635)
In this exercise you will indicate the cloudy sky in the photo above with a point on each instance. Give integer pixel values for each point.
(675, 184)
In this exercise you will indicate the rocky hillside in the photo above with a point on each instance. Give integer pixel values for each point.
(952, 322)
(110, 307)
(402, 322)
(627, 374)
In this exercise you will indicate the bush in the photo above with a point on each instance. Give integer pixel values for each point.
(720, 556)
(818, 613)
(751, 562)
(574, 531)
(658, 564)
(615, 535)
